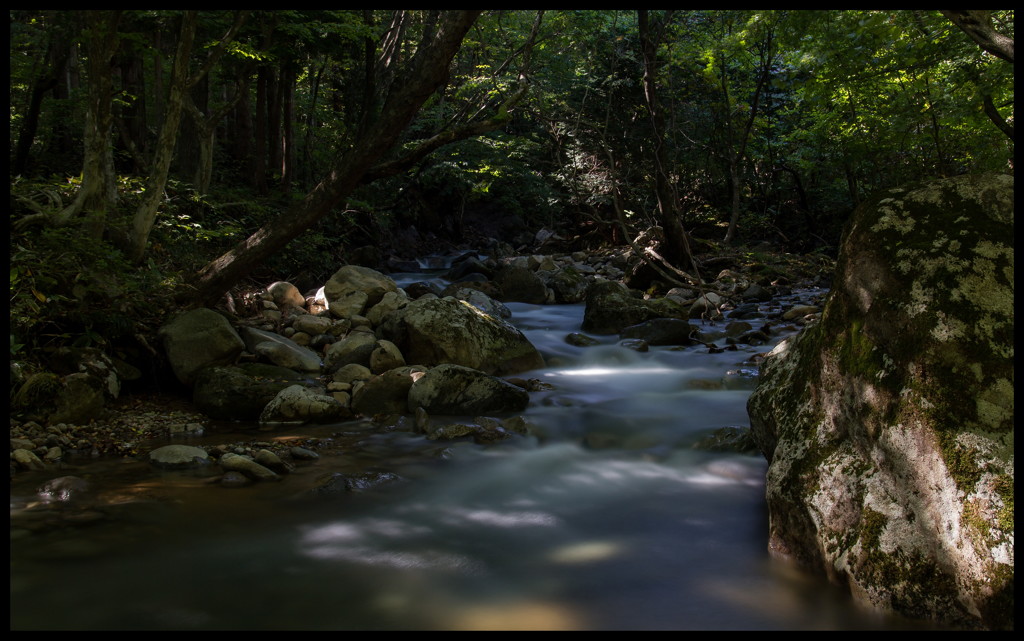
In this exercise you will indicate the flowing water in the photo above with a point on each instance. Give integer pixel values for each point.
(608, 519)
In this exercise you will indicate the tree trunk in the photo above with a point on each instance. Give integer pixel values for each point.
(145, 215)
(98, 193)
(424, 73)
(677, 247)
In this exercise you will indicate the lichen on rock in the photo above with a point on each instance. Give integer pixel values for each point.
(888, 426)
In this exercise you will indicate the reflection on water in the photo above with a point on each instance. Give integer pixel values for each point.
(610, 521)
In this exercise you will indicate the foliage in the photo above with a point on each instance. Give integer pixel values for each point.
(807, 112)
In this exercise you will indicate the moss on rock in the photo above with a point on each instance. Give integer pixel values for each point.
(900, 398)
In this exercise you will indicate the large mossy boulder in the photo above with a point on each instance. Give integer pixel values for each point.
(611, 307)
(432, 331)
(240, 392)
(197, 339)
(353, 290)
(888, 426)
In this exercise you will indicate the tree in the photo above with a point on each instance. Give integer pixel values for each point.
(415, 81)
(676, 249)
(181, 81)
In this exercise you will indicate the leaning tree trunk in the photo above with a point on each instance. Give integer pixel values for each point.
(427, 71)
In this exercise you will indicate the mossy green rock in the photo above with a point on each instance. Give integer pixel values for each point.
(888, 426)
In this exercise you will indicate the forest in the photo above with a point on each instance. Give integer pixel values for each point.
(511, 319)
(163, 158)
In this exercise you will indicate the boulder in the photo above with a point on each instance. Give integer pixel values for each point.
(521, 285)
(248, 467)
(284, 293)
(353, 289)
(176, 457)
(568, 284)
(197, 339)
(888, 425)
(280, 350)
(298, 404)
(356, 348)
(611, 306)
(385, 356)
(454, 389)
(662, 331)
(387, 393)
(312, 325)
(479, 299)
(431, 331)
(240, 392)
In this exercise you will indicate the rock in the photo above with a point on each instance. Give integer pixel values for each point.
(80, 400)
(338, 483)
(62, 489)
(27, 460)
(280, 350)
(611, 307)
(581, 340)
(662, 331)
(240, 392)
(888, 425)
(351, 373)
(521, 285)
(387, 393)
(176, 457)
(234, 479)
(312, 325)
(755, 293)
(356, 348)
(298, 404)
(385, 356)
(446, 330)
(390, 302)
(478, 299)
(248, 467)
(272, 461)
(353, 289)
(454, 389)
(197, 339)
(707, 307)
(568, 284)
(284, 293)
(302, 454)
(799, 311)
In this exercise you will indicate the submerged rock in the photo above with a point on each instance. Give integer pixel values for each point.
(888, 425)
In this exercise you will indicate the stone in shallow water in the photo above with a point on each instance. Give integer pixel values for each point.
(179, 457)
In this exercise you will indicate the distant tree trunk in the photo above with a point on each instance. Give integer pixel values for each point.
(259, 151)
(57, 50)
(205, 126)
(414, 84)
(98, 193)
(145, 214)
(287, 130)
(677, 247)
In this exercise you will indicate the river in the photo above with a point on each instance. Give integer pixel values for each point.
(608, 519)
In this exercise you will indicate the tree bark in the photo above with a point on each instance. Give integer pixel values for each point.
(977, 24)
(415, 82)
(163, 153)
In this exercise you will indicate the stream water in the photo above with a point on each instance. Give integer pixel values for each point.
(609, 519)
